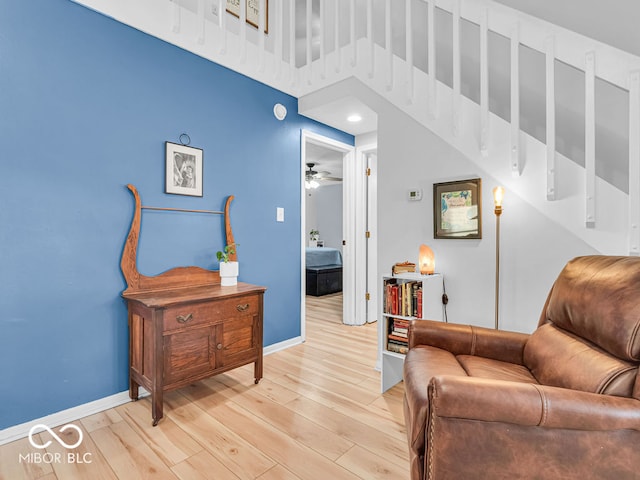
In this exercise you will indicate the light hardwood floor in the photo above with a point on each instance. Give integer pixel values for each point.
(317, 414)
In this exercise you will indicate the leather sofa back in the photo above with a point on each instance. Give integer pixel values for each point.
(591, 323)
(598, 298)
(561, 359)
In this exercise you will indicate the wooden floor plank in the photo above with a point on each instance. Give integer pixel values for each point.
(371, 466)
(317, 414)
(84, 461)
(15, 462)
(168, 441)
(324, 380)
(391, 447)
(336, 400)
(225, 444)
(203, 466)
(291, 454)
(129, 456)
(278, 473)
(296, 426)
(101, 419)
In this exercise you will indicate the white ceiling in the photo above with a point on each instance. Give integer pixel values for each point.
(335, 114)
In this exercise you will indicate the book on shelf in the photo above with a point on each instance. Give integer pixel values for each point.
(399, 327)
(403, 298)
(398, 339)
(397, 348)
(403, 267)
(397, 335)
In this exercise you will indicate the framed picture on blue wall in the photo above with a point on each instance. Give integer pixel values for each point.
(183, 170)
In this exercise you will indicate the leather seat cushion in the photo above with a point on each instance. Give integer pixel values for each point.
(495, 369)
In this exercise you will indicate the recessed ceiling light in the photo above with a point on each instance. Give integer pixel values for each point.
(354, 118)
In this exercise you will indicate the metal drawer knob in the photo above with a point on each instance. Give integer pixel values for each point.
(219, 346)
(184, 318)
(243, 307)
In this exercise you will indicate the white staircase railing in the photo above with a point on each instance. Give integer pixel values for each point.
(361, 39)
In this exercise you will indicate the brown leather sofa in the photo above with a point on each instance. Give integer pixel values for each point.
(560, 403)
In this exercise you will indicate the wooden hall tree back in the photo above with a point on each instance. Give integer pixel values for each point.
(183, 325)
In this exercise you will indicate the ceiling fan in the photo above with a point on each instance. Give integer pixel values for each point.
(312, 177)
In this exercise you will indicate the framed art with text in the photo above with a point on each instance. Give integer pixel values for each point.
(183, 174)
(457, 209)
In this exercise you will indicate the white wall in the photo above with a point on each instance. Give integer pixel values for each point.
(311, 222)
(324, 213)
(534, 248)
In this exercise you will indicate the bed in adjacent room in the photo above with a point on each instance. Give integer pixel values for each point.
(324, 270)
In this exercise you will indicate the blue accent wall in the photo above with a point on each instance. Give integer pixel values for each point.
(86, 105)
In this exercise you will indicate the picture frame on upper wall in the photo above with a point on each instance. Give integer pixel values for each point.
(457, 209)
(183, 170)
(253, 12)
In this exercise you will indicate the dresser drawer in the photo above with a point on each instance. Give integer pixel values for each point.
(209, 312)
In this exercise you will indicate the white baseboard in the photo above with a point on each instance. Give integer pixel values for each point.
(69, 415)
(72, 414)
(276, 347)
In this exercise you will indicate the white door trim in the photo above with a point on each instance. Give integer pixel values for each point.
(368, 153)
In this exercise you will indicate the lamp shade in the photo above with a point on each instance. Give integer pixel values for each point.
(427, 261)
(498, 196)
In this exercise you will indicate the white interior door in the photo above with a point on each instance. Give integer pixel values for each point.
(352, 243)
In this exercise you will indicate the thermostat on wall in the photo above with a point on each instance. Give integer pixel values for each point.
(415, 195)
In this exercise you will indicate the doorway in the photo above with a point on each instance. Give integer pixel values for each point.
(357, 209)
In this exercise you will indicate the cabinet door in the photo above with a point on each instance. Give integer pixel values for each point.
(239, 336)
(188, 353)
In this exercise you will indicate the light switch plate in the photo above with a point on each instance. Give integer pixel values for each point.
(279, 214)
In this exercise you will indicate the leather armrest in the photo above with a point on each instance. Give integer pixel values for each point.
(530, 404)
(469, 340)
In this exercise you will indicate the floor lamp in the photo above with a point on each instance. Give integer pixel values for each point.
(498, 195)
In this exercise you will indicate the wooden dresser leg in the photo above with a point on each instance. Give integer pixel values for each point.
(156, 407)
(133, 390)
(257, 370)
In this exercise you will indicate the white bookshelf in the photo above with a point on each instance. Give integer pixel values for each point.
(431, 308)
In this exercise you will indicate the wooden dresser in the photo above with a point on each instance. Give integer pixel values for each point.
(184, 326)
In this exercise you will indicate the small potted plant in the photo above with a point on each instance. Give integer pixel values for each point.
(228, 269)
(313, 238)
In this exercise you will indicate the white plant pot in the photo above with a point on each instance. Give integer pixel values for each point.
(313, 243)
(228, 274)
